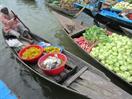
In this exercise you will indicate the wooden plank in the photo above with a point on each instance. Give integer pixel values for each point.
(86, 91)
(70, 80)
(95, 92)
(88, 75)
(98, 81)
(71, 64)
(102, 90)
(102, 86)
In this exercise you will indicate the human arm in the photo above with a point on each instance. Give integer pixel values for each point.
(109, 3)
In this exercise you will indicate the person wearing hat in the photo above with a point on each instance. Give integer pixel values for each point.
(127, 14)
(11, 25)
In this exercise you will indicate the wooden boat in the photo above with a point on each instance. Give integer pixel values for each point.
(70, 26)
(56, 7)
(79, 78)
(126, 30)
(109, 17)
(114, 77)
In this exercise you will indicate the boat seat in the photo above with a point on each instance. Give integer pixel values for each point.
(69, 71)
(74, 77)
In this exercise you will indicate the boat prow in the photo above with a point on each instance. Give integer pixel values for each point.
(69, 25)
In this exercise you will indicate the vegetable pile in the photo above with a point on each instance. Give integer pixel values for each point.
(66, 4)
(52, 49)
(91, 37)
(116, 55)
(122, 5)
(51, 62)
(31, 53)
(95, 33)
(112, 50)
(84, 44)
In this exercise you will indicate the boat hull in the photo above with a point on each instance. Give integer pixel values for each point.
(86, 56)
(78, 80)
(70, 13)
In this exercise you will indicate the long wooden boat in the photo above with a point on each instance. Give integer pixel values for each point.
(109, 17)
(56, 7)
(127, 31)
(114, 77)
(79, 78)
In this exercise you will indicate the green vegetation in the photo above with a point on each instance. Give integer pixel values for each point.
(95, 33)
(122, 5)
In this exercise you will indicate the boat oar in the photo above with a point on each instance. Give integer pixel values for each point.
(29, 40)
(20, 21)
(77, 14)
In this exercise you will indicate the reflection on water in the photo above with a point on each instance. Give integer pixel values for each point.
(41, 21)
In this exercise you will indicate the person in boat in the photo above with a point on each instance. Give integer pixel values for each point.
(95, 5)
(127, 14)
(11, 25)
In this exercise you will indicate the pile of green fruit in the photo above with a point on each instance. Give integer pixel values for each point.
(122, 5)
(116, 55)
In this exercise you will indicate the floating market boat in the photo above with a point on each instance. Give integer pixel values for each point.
(109, 16)
(92, 60)
(127, 31)
(55, 5)
(79, 78)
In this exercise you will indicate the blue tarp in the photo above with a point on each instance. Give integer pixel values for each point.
(114, 14)
(5, 92)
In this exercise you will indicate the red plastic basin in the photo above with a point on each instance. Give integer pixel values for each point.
(56, 70)
(34, 59)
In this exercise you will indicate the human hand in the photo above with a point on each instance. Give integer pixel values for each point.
(15, 17)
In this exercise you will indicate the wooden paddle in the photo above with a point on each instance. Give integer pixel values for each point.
(20, 21)
(29, 40)
(80, 12)
(85, 3)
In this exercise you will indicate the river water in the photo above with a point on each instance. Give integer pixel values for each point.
(38, 17)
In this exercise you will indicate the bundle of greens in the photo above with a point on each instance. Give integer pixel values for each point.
(95, 33)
